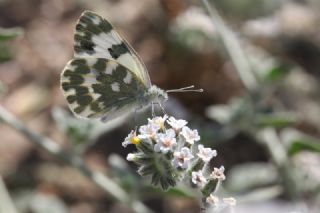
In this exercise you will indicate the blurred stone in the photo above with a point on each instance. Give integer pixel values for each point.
(54, 48)
(10, 73)
(48, 203)
(14, 148)
(281, 24)
(176, 205)
(82, 208)
(28, 99)
(39, 202)
(305, 18)
(68, 181)
(268, 27)
(55, 9)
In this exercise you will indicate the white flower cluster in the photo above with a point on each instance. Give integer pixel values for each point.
(219, 204)
(178, 140)
(168, 150)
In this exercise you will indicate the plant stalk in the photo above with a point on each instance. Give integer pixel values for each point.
(233, 47)
(51, 147)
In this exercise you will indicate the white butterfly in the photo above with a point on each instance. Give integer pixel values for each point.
(106, 78)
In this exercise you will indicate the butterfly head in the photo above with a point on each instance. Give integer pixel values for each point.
(155, 94)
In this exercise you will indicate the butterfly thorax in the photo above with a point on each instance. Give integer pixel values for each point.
(153, 94)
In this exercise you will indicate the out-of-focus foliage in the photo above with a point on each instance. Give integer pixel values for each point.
(248, 9)
(81, 134)
(7, 35)
(297, 142)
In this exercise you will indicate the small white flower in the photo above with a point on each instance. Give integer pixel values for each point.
(230, 201)
(176, 124)
(190, 135)
(218, 173)
(212, 200)
(131, 157)
(158, 121)
(148, 131)
(182, 159)
(198, 179)
(206, 153)
(165, 142)
(131, 139)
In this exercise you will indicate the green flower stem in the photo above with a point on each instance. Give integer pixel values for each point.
(210, 187)
(198, 165)
(145, 147)
(233, 47)
(6, 204)
(48, 145)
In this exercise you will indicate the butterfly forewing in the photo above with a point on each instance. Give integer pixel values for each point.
(95, 37)
(96, 87)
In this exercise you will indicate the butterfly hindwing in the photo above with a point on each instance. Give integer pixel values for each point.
(95, 87)
(95, 37)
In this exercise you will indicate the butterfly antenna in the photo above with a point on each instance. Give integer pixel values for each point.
(136, 119)
(185, 89)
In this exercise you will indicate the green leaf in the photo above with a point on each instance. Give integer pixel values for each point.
(5, 53)
(303, 144)
(179, 192)
(9, 34)
(276, 120)
(275, 73)
(172, 192)
(3, 88)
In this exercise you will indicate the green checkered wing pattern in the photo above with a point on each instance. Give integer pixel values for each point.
(96, 37)
(101, 88)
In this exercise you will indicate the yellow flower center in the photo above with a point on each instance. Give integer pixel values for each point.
(161, 124)
(135, 140)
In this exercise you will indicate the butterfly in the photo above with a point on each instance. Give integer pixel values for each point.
(106, 78)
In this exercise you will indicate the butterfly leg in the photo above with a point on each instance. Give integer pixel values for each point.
(135, 119)
(152, 109)
(162, 109)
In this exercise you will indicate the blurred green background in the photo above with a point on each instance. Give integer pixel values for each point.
(266, 133)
